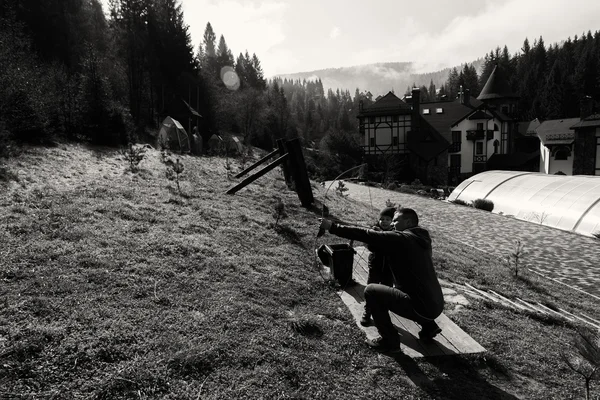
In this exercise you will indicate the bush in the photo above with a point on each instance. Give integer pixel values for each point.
(483, 204)
(392, 186)
(406, 189)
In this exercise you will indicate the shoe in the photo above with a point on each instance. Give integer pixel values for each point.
(384, 345)
(365, 320)
(428, 332)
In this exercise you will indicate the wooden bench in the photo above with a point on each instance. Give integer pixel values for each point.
(452, 340)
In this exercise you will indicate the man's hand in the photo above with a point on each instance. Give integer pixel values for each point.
(325, 226)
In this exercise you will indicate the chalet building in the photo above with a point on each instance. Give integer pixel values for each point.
(571, 146)
(392, 129)
(444, 142)
(556, 145)
(586, 147)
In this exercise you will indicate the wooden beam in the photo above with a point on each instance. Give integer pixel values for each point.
(285, 166)
(299, 173)
(256, 164)
(258, 174)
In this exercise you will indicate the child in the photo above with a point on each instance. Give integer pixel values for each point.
(378, 271)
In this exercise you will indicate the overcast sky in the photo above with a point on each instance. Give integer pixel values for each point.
(304, 35)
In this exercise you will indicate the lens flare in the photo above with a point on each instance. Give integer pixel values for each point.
(230, 78)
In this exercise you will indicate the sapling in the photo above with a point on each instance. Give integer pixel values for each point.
(279, 211)
(584, 357)
(178, 169)
(514, 257)
(341, 188)
(134, 155)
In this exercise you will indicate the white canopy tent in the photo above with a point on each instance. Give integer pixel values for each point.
(570, 203)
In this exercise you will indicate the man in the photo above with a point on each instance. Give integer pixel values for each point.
(407, 249)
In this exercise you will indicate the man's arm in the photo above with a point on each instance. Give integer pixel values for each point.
(364, 235)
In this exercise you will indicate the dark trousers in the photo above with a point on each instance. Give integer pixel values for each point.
(378, 273)
(381, 299)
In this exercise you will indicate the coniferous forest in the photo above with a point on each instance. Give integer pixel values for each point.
(68, 69)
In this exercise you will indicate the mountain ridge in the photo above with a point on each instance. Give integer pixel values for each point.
(378, 78)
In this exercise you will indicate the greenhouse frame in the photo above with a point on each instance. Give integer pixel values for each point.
(570, 203)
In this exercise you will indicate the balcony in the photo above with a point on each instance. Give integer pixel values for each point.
(480, 134)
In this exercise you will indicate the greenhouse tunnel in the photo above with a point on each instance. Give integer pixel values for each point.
(570, 203)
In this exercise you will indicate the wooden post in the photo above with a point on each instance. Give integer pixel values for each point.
(299, 173)
(258, 174)
(286, 165)
(256, 164)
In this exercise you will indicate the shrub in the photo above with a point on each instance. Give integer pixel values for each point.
(483, 204)
(406, 189)
(392, 186)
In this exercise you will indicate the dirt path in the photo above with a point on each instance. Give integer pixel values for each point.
(564, 256)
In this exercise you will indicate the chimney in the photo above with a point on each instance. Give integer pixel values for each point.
(585, 108)
(416, 114)
(466, 97)
(360, 105)
(460, 94)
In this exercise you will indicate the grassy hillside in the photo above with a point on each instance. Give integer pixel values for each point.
(113, 284)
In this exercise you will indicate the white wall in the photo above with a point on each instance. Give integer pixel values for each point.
(467, 146)
(544, 159)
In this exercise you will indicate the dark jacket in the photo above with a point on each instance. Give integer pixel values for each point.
(408, 255)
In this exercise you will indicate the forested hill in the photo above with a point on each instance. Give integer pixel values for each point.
(378, 78)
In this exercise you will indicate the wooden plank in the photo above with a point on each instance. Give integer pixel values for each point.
(579, 318)
(520, 307)
(299, 173)
(257, 175)
(590, 318)
(554, 312)
(452, 340)
(285, 166)
(484, 294)
(531, 306)
(256, 164)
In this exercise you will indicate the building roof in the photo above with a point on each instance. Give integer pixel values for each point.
(588, 122)
(496, 87)
(527, 128)
(451, 112)
(427, 142)
(556, 126)
(389, 104)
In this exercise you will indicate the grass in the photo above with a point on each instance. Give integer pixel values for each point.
(116, 286)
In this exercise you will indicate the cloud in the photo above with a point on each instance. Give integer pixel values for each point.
(254, 26)
(335, 32)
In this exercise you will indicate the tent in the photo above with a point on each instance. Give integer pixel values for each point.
(225, 143)
(173, 136)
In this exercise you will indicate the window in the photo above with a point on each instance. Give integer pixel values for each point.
(426, 111)
(480, 126)
(395, 140)
(372, 142)
(479, 148)
(562, 153)
(439, 110)
(456, 136)
(504, 109)
(455, 160)
(395, 118)
(495, 127)
(371, 120)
